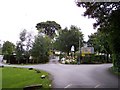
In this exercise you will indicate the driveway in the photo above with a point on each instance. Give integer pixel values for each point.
(78, 76)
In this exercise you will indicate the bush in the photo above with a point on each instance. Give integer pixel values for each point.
(115, 70)
(74, 62)
(67, 62)
(38, 71)
(43, 59)
(92, 58)
(6, 57)
(62, 56)
(10, 59)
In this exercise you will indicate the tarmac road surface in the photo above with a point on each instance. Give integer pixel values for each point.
(77, 76)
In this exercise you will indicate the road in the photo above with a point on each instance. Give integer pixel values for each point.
(78, 76)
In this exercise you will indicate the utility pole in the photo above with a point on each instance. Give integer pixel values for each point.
(79, 49)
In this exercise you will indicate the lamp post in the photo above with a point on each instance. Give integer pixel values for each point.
(79, 50)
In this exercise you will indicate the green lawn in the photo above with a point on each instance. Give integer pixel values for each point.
(0, 78)
(19, 78)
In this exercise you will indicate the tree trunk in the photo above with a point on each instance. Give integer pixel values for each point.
(107, 58)
(9, 59)
(27, 59)
(67, 53)
(37, 60)
(18, 61)
(33, 61)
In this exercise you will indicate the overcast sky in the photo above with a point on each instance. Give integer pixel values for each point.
(16, 15)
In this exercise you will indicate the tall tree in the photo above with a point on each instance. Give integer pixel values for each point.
(40, 49)
(29, 41)
(20, 46)
(107, 15)
(49, 28)
(23, 35)
(68, 38)
(28, 45)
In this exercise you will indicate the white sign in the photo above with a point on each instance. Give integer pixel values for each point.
(72, 49)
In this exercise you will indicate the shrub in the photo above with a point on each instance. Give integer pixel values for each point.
(10, 59)
(62, 56)
(67, 62)
(91, 58)
(6, 57)
(38, 71)
(74, 62)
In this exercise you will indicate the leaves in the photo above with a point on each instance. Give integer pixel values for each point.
(100, 42)
(68, 38)
(23, 35)
(107, 15)
(101, 11)
(49, 28)
(40, 49)
(8, 48)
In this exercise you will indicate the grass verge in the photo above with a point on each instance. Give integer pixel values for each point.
(0, 78)
(19, 78)
(114, 71)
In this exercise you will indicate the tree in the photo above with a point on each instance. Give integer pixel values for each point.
(40, 49)
(107, 15)
(8, 49)
(49, 28)
(19, 51)
(68, 38)
(99, 41)
(20, 46)
(28, 41)
(23, 46)
(28, 45)
(93, 41)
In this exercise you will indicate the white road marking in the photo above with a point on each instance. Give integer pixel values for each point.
(68, 86)
(97, 86)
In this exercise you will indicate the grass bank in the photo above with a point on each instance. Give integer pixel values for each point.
(19, 78)
(115, 71)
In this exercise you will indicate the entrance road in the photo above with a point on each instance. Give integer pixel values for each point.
(78, 76)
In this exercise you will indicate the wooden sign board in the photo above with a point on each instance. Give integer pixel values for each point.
(87, 50)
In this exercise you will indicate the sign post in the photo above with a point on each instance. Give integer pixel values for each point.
(79, 50)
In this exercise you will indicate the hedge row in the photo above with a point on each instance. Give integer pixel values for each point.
(24, 60)
(91, 58)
